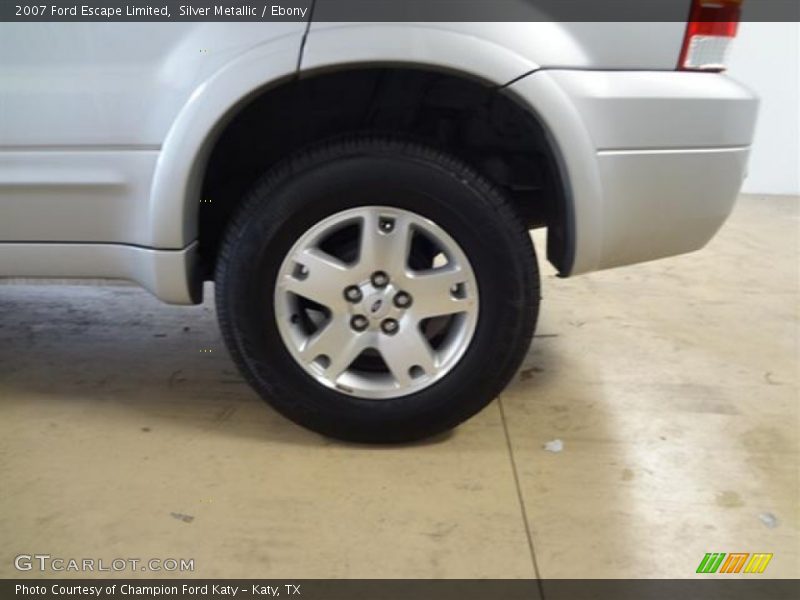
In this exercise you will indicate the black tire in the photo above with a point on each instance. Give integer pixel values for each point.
(332, 177)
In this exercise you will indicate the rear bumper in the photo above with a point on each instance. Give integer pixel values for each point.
(652, 162)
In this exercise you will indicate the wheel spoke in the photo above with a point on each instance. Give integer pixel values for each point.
(405, 351)
(322, 279)
(338, 343)
(381, 249)
(440, 292)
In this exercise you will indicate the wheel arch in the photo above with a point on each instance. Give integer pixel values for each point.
(174, 196)
(271, 69)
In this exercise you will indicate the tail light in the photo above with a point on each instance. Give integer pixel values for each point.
(711, 29)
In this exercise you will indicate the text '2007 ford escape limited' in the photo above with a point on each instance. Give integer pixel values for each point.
(362, 193)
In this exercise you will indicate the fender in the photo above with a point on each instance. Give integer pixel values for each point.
(496, 52)
(172, 212)
(577, 162)
(454, 47)
(173, 207)
(174, 198)
(458, 47)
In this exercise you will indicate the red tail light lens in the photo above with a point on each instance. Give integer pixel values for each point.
(712, 26)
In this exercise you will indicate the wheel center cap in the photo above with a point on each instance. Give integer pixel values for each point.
(377, 306)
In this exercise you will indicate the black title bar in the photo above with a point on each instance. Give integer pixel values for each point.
(714, 588)
(378, 10)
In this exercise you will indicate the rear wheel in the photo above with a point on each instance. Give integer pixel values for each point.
(377, 290)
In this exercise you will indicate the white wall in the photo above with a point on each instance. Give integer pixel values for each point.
(766, 58)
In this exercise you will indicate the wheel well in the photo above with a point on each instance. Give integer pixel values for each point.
(478, 123)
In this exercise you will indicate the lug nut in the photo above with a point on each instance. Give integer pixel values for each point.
(380, 279)
(359, 322)
(352, 293)
(402, 300)
(390, 326)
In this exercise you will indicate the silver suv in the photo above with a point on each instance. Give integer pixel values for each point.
(362, 193)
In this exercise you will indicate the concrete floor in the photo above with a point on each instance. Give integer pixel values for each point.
(125, 431)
